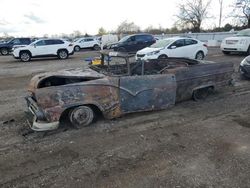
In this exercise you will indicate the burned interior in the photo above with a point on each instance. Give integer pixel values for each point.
(122, 66)
(63, 80)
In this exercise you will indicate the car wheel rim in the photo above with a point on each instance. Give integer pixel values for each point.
(77, 49)
(199, 56)
(81, 116)
(4, 52)
(25, 57)
(63, 54)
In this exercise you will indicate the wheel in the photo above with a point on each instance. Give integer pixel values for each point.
(121, 49)
(25, 56)
(163, 56)
(199, 55)
(201, 94)
(226, 52)
(81, 116)
(77, 48)
(4, 51)
(96, 47)
(63, 54)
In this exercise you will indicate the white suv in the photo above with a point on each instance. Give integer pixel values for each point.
(238, 43)
(44, 48)
(86, 42)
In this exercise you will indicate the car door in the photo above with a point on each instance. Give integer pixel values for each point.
(39, 48)
(130, 44)
(190, 48)
(147, 92)
(141, 42)
(176, 49)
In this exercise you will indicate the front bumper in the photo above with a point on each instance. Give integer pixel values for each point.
(39, 121)
(234, 48)
(146, 57)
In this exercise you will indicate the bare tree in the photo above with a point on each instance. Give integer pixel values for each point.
(102, 31)
(242, 11)
(128, 27)
(192, 13)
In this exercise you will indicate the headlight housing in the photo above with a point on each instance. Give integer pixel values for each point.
(153, 53)
(245, 61)
(243, 41)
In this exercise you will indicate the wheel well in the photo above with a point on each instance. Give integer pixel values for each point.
(201, 52)
(25, 51)
(163, 55)
(62, 49)
(95, 108)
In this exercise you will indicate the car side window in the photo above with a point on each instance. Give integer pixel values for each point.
(16, 41)
(89, 40)
(178, 43)
(190, 42)
(40, 43)
(58, 42)
(25, 41)
(131, 39)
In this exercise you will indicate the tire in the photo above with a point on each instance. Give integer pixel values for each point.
(163, 56)
(77, 48)
(81, 116)
(200, 55)
(202, 94)
(4, 51)
(225, 52)
(25, 56)
(96, 47)
(62, 54)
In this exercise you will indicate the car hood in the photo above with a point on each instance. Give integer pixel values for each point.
(3, 44)
(148, 50)
(69, 73)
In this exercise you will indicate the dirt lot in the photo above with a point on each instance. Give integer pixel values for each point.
(194, 144)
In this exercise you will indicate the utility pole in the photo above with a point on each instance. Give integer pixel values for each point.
(221, 8)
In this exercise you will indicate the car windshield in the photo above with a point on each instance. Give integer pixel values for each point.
(162, 43)
(245, 32)
(124, 39)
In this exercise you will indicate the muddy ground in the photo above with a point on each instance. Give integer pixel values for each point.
(194, 144)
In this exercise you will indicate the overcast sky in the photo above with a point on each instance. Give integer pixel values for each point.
(39, 17)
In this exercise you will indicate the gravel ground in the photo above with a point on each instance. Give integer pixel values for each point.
(194, 144)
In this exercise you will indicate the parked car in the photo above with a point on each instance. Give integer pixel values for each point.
(6, 47)
(117, 87)
(86, 43)
(245, 67)
(44, 48)
(239, 43)
(174, 47)
(132, 43)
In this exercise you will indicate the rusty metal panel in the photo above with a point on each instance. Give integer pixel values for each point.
(149, 92)
(215, 74)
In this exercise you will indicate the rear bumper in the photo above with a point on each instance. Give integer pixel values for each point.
(40, 122)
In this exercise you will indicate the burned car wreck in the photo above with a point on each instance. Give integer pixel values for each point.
(119, 86)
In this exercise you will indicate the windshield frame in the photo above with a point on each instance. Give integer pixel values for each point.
(163, 42)
(243, 33)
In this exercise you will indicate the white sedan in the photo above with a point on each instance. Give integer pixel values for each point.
(174, 47)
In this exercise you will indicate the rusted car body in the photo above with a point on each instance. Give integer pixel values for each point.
(115, 89)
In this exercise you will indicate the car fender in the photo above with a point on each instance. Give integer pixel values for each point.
(204, 86)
